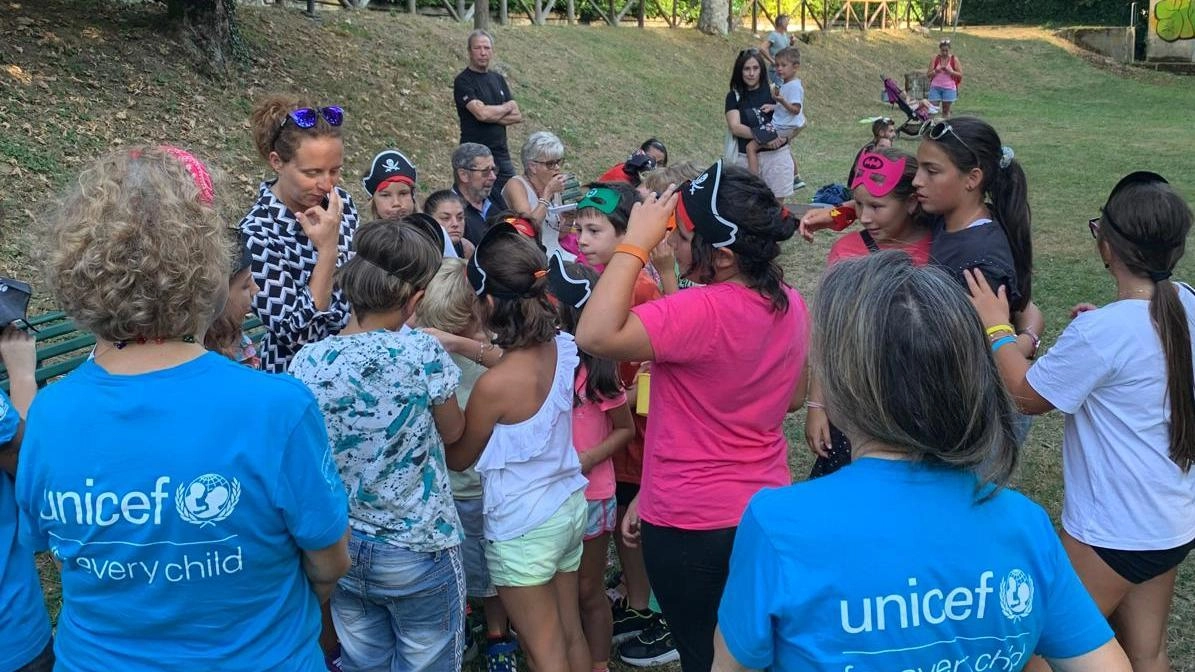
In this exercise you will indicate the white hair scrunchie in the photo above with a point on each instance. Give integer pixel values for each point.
(1006, 156)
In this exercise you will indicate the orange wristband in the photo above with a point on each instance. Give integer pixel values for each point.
(635, 252)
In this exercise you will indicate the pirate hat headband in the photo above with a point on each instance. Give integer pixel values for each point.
(390, 165)
(480, 280)
(697, 209)
(573, 291)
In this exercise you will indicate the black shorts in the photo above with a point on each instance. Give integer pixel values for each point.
(624, 493)
(1141, 566)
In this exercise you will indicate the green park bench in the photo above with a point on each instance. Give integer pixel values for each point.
(61, 346)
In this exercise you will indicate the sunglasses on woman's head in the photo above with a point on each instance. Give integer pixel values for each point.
(308, 117)
(750, 51)
(1094, 225)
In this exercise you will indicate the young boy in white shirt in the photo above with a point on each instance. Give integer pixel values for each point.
(788, 116)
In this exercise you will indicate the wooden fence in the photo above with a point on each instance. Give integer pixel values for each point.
(852, 14)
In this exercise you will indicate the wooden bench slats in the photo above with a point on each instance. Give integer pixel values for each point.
(68, 338)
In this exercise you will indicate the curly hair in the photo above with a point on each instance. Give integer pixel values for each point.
(132, 251)
(271, 133)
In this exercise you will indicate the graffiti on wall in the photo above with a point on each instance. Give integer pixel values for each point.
(1174, 20)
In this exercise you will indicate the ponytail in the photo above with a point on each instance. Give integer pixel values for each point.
(1145, 224)
(1010, 205)
(1166, 311)
(972, 143)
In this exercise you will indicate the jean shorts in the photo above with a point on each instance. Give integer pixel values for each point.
(400, 610)
(534, 558)
(940, 94)
(601, 517)
(477, 569)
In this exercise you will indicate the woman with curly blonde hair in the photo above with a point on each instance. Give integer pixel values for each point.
(191, 534)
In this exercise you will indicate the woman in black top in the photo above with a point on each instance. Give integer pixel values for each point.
(749, 105)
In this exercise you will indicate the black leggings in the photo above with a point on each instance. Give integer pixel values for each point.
(688, 570)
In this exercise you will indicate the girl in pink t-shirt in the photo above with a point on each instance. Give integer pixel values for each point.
(727, 361)
(886, 203)
(602, 426)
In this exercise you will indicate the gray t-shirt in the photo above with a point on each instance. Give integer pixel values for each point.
(776, 42)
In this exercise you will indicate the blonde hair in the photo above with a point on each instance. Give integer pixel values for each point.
(133, 253)
(449, 303)
(658, 179)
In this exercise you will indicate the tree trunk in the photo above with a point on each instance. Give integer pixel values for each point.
(713, 17)
(210, 26)
(481, 14)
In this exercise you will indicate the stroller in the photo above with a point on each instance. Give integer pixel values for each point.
(916, 121)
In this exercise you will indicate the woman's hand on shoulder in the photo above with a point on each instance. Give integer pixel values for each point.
(1082, 308)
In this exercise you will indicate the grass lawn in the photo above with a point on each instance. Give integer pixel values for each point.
(81, 76)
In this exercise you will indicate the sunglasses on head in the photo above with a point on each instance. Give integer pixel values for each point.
(308, 117)
(941, 129)
(749, 51)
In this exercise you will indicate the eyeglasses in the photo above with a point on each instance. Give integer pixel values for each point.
(749, 51)
(487, 169)
(1094, 225)
(553, 164)
(939, 130)
(307, 117)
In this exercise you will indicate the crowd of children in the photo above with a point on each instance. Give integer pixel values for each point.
(486, 419)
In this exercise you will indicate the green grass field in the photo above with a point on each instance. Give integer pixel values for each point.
(77, 77)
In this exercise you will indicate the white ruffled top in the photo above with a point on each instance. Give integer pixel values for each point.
(529, 468)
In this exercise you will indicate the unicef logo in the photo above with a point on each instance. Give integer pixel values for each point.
(207, 500)
(1016, 595)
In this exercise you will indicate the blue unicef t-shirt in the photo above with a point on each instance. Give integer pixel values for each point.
(178, 502)
(893, 565)
(23, 618)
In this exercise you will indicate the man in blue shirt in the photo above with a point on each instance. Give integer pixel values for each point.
(474, 174)
(23, 618)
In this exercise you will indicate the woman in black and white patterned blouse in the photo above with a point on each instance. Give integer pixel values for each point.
(300, 230)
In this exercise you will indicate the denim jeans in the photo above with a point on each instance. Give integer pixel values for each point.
(400, 610)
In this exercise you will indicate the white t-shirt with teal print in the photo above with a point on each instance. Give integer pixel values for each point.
(376, 390)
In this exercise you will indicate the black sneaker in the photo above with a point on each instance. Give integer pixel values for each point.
(651, 647)
(629, 622)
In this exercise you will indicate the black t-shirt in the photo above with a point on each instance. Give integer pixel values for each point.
(748, 105)
(491, 89)
(985, 247)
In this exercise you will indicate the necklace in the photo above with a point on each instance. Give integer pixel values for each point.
(142, 340)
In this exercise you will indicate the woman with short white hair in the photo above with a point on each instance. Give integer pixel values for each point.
(534, 193)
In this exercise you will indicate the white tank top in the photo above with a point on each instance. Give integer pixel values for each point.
(529, 468)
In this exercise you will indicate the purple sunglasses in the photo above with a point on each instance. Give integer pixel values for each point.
(307, 117)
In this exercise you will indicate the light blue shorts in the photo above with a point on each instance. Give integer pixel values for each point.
(601, 517)
(477, 571)
(939, 94)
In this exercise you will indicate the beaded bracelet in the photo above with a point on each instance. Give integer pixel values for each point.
(1003, 341)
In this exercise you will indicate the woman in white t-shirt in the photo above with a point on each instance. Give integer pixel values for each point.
(1122, 374)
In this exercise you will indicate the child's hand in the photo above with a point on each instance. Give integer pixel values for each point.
(817, 431)
(19, 352)
(1082, 308)
(630, 524)
(663, 258)
(813, 221)
(649, 219)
